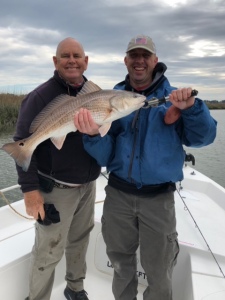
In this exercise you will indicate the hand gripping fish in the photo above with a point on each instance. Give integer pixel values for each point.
(56, 120)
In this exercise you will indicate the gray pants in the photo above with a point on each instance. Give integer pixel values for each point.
(76, 208)
(130, 221)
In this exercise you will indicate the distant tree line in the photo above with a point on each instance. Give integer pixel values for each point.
(215, 104)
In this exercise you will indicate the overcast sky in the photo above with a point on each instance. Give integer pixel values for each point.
(189, 37)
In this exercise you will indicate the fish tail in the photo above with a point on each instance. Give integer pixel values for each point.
(19, 152)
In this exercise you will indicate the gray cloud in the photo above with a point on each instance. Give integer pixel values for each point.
(189, 38)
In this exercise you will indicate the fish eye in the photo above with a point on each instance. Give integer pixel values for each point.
(135, 95)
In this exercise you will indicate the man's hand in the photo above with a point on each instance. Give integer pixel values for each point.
(84, 123)
(34, 204)
(181, 98)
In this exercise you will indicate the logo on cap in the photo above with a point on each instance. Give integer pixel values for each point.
(141, 41)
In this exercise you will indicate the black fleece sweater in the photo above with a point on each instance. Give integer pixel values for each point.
(72, 163)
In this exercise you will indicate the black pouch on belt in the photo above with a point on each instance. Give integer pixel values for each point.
(46, 184)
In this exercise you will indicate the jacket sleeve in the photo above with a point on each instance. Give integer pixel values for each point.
(30, 107)
(197, 127)
(101, 148)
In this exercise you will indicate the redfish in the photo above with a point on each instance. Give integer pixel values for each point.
(56, 120)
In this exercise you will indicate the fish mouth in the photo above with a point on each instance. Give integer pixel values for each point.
(141, 103)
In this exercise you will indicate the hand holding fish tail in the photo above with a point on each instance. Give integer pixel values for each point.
(34, 204)
(181, 98)
(84, 122)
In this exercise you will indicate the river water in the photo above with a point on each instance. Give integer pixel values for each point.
(209, 160)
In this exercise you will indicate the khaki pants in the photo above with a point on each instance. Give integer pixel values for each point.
(130, 221)
(76, 209)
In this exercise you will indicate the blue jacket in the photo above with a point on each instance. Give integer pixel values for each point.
(141, 149)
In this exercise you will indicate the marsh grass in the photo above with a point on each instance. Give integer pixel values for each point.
(9, 108)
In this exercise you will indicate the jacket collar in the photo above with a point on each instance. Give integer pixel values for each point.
(158, 78)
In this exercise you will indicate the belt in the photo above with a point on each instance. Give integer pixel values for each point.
(64, 186)
(129, 188)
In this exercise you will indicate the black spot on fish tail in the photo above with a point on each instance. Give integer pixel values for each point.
(19, 152)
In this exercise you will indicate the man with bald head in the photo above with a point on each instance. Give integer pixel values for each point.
(59, 186)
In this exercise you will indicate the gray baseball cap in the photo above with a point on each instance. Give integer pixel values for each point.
(143, 42)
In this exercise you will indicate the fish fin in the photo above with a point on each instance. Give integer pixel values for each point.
(58, 141)
(48, 110)
(89, 87)
(104, 129)
(60, 101)
(19, 152)
(59, 135)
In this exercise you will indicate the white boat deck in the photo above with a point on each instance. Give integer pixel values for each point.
(196, 276)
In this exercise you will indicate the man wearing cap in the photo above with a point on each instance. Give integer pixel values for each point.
(145, 156)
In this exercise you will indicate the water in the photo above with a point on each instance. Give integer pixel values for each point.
(8, 174)
(209, 160)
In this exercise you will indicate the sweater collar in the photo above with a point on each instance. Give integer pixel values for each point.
(70, 87)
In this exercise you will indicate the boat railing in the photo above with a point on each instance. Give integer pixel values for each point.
(10, 188)
(2, 195)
